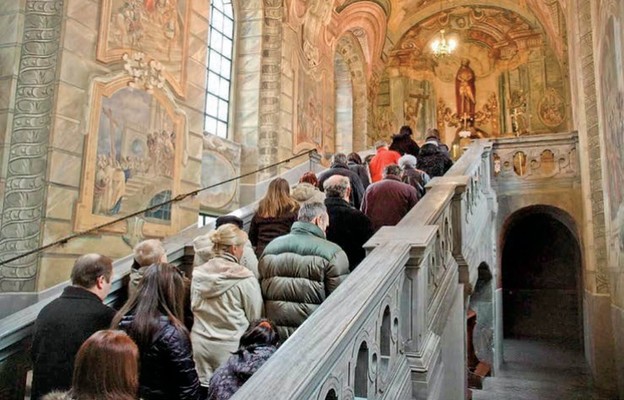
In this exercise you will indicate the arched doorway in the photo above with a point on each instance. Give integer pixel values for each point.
(541, 277)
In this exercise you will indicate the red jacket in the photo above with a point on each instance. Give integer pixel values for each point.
(382, 158)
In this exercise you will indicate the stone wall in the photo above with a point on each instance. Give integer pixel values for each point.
(61, 82)
(608, 41)
(588, 22)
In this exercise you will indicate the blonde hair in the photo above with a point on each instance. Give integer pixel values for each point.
(277, 201)
(225, 236)
(148, 252)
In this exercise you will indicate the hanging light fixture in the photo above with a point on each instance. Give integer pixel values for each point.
(442, 47)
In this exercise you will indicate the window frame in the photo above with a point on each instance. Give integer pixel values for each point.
(217, 100)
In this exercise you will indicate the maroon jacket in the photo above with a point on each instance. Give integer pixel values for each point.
(386, 202)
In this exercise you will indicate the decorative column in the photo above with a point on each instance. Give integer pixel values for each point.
(25, 190)
(270, 86)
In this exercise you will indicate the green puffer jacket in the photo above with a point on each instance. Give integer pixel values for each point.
(297, 273)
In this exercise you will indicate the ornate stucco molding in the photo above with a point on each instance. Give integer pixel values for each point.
(24, 198)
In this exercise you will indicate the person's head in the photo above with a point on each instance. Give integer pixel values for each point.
(160, 293)
(149, 252)
(106, 367)
(309, 177)
(407, 161)
(337, 186)
(339, 158)
(93, 272)
(432, 134)
(229, 219)
(432, 140)
(391, 170)
(277, 200)
(368, 158)
(314, 213)
(260, 332)
(228, 239)
(354, 158)
(380, 144)
(405, 131)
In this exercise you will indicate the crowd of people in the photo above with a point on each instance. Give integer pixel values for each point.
(204, 335)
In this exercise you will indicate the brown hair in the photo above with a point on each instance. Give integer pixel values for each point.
(309, 177)
(355, 157)
(160, 292)
(106, 368)
(277, 201)
(89, 267)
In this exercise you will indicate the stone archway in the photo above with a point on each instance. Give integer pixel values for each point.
(350, 73)
(541, 272)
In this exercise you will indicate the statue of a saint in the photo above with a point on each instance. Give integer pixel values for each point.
(465, 90)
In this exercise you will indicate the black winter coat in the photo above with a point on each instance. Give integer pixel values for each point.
(349, 228)
(263, 230)
(357, 188)
(433, 161)
(404, 144)
(167, 367)
(361, 171)
(60, 329)
(236, 371)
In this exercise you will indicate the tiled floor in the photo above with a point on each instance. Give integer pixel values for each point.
(540, 371)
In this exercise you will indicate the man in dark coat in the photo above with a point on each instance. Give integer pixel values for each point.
(299, 270)
(403, 143)
(340, 167)
(433, 161)
(64, 324)
(386, 202)
(348, 227)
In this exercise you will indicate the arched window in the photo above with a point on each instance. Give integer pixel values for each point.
(220, 51)
(163, 212)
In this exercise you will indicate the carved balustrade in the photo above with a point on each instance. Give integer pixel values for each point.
(393, 330)
(530, 158)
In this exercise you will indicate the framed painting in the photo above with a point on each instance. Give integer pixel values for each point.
(132, 160)
(156, 28)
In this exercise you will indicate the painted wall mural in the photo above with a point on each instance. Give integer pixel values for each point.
(221, 160)
(134, 153)
(157, 28)
(611, 57)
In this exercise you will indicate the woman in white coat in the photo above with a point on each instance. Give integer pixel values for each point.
(225, 298)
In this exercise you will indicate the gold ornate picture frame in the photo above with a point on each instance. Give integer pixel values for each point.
(133, 156)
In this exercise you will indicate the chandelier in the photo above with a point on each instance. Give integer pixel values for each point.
(442, 47)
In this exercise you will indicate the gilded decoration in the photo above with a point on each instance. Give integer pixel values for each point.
(134, 153)
(156, 28)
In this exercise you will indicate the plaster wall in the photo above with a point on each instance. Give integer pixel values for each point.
(72, 106)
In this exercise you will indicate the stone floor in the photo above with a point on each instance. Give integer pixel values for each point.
(540, 371)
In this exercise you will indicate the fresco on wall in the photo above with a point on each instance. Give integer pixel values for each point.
(612, 88)
(221, 160)
(310, 105)
(134, 144)
(157, 28)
